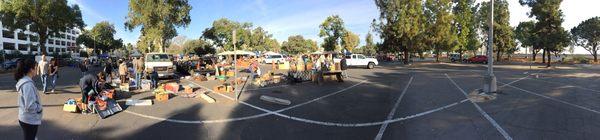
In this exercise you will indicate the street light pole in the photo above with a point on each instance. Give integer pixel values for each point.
(237, 95)
(490, 84)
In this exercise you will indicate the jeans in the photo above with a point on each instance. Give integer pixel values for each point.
(53, 80)
(44, 81)
(138, 81)
(154, 83)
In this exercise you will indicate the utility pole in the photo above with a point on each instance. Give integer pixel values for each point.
(490, 84)
(237, 95)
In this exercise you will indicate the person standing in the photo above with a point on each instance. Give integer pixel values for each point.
(30, 106)
(108, 68)
(123, 71)
(344, 66)
(83, 66)
(53, 72)
(139, 71)
(43, 72)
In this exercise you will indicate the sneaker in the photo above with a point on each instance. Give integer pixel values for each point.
(52, 91)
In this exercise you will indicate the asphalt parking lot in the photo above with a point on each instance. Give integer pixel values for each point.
(392, 101)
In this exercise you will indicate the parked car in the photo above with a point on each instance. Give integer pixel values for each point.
(162, 62)
(276, 58)
(478, 59)
(359, 60)
(456, 58)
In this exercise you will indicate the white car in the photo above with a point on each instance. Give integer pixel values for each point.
(162, 62)
(359, 60)
(277, 58)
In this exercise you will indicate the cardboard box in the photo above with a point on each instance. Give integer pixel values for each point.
(220, 89)
(161, 97)
(70, 107)
(230, 74)
(124, 87)
(188, 89)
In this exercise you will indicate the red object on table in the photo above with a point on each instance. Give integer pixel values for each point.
(172, 87)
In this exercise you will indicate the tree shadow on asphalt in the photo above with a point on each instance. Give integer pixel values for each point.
(52, 130)
(171, 130)
(274, 127)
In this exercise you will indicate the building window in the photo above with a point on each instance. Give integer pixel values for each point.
(68, 43)
(23, 47)
(50, 41)
(7, 34)
(50, 49)
(63, 36)
(22, 36)
(63, 50)
(33, 38)
(8, 46)
(63, 43)
(33, 47)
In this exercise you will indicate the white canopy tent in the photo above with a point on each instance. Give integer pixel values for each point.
(271, 53)
(238, 52)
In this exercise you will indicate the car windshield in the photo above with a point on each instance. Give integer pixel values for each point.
(275, 56)
(158, 58)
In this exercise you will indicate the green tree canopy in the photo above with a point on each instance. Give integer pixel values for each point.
(198, 46)
(158, 20)
(503, 33)
(400, 25)
(587, 35)
(527, 37)
(100, 37)
(350, 41)
(465, 26)
(439, 25)
(43, 17)
(332, 29)
(221, 33)
(369, 48)
(298, 45)
(553, 37)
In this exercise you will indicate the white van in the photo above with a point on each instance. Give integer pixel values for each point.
(162, 62)
(276, 58)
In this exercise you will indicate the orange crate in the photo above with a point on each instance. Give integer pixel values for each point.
(220, 89)
(188, 90)
(161, 97)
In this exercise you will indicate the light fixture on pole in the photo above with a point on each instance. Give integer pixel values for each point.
(490, 83)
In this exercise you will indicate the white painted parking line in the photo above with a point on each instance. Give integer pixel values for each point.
(553, 99)
(393, 111)
(267, 112)
(490, 119)
(564, 84)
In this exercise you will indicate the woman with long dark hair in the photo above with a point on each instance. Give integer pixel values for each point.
(53, 72)
(30, 108)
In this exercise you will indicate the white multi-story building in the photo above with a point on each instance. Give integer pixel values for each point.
(26, 41)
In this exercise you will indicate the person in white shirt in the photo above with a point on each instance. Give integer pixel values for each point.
(43, 72)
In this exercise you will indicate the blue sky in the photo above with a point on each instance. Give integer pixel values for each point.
(282, 18)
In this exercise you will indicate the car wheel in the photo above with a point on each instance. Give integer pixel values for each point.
(485, 62)
(371, 65)
(278, 62)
